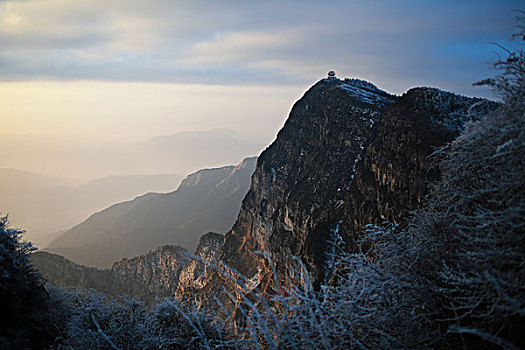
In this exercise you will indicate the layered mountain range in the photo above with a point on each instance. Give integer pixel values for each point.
(181, 153)
(207, 200)
(349, 155)
(26, 198)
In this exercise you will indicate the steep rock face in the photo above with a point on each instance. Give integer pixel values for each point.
(155, 274)
(349, 155)
(146, 277)
(194, 275)
(395, 171)
(301, 178)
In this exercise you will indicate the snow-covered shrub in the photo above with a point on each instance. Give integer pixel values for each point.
(98, 321)
(475, 223)
(452, 276)
(366, 303)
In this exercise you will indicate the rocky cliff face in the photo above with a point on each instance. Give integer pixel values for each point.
(155, 274)
(349, 155)
(195, 275)
(302, 178)
(395, 170)
(145, 277)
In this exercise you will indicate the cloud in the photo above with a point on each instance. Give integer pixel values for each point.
(233, 42)
(238, 47)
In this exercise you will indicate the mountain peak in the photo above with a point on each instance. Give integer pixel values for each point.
(358, 88)
(354, 82)
(330, 170)
(445, 109)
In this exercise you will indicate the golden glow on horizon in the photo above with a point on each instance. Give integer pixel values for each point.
(130, 112)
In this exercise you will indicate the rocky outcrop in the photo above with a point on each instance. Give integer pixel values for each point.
(167, 271)
(194, 276)
(349, 155)
(155, 274)
(302, 178)
(146, 277)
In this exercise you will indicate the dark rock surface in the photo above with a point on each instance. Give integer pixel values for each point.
(349, 155)
(395, 171)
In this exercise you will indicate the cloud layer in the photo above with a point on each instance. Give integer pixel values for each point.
(397, 44)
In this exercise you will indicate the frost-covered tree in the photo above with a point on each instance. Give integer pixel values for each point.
(452, 276)
(475, 220)
(509, 83)
(98, 321)
(24, 316)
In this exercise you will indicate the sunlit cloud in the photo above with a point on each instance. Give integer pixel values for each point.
(245, 47)
(235, 42)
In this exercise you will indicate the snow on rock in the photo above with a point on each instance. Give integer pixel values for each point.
(364, 91)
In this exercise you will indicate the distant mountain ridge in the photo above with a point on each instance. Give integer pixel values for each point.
(207, 200)
(179, 153)
(45, 204)
(145, 277)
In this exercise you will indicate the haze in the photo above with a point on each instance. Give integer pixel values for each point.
(87, 88)
(66, 68)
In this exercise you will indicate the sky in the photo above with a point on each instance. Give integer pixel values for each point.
(125, 71)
